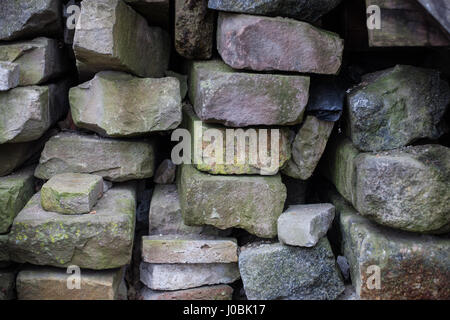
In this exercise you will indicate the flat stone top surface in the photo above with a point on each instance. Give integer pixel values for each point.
(72, 182)
(309, 209)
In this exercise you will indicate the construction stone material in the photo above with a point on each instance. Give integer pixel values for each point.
(405, 189)
(110, 35)
(173, 277)
(15, 191)
(166, 172)
(4, 251)
(194, 29)
(408, 266)
(237, 99)
(117, 104)
(217, 292)
(305, 225)
(9, 75)
(45, 283)
(7, 284)
(305, 10)
(26, 113)
(114, 160)
(439, 10)
(101, 240)
(275, 271)
(266, 44)
(27, 19)
(71, 193)
(253, 203)
(395, 107)
(40, 60)
(188, 249)
(308, 147)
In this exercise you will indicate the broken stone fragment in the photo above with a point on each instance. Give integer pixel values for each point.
(221, 94)
(305, 225)
(31, 18)
(71, 193)
(102, 240)
(114, 160)
(308, 147)
(253, 203)
(40, 60)
(277, 44)
(217, 292)
(185, 276)
(188, 249)
(395, 107)
(275, 271)
(166, 172)
(9, 75)
(110, 35)
(15, 191)
(46, 283)
(117, 104)
(194, 29)
(306, 10)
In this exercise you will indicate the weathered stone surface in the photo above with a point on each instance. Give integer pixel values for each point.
(97, 241)
(112, 36)
(439, 10)
(39, 60)
(26, 113)
(188, 249)
(26, 19)
(394, 107)
(308, 147)
(116, 104)
(114, 160)
(237, 99)
(262, 43)
(45, 283)
(15, 191)
(218, 292)
(407, 189)
(183, 82)
(166, 172)
(275, 271)
(194, 29)
(9, 75)
(157, 12)
(185, 276)
(71, 193)
(252, 203)
(7, 284)
(411, 266)
(305, 225)
(306, 10)
(4, 250)
(249, 155)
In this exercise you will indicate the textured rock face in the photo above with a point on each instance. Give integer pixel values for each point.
(26, 113)
(4, 251)
(114, 160)
(251, 203)
(7, 284)
(166, 172)
(112, 36)
(406, 189)
(31, 18)
(308, 147)
(395, 107)
(439, 10)
(71, 193)
(262, 43)
(185, 276)
(9, 75)
(249, 156)
(306, 10)
(116, 104)
(220, 94)
(39, 60)
(276, 271)
(190, 249)
(410, 266)
(194, 29)
(305, 225)
(45, 283)
(97, 241)
(15, 191)
(219, 292)
(155, 11)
